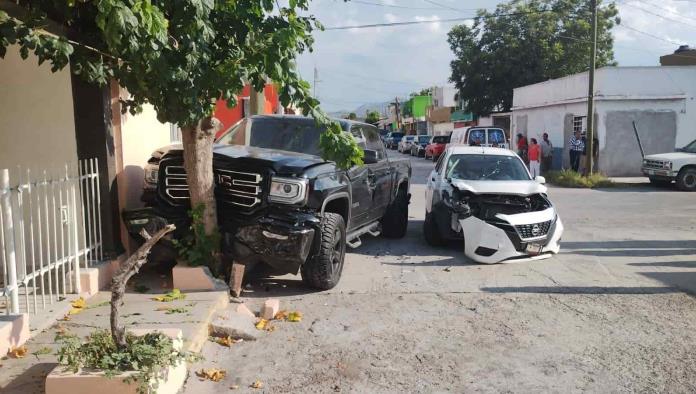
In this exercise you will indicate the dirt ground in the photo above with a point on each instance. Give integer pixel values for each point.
(612, 313)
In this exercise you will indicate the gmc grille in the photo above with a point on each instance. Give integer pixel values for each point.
(239, 188)
(532, 231)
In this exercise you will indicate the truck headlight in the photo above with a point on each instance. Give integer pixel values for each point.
(151, 173)
(667, 165)
(288, 190)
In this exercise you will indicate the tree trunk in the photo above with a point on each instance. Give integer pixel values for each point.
(198, 163)
(128, 269)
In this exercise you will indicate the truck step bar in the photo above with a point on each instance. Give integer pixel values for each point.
(353, 238)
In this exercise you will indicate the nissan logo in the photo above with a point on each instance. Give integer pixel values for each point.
(536, 230)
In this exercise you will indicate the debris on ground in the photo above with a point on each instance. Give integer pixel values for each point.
(295, 316)
(18, 352)
(77, 306)
(270, 308)
(448, 269)
(234, 325)
(226, 341)
(264, 325)
(173, 295)
(44, 350)
(214, 374)
(257, 384)
(281, 315)
(244, 310)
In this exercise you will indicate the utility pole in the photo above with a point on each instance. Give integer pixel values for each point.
(398, 113)
(316, 80)
(589, 145)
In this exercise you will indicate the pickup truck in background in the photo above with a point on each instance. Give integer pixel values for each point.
(279, 203)
(678, 167)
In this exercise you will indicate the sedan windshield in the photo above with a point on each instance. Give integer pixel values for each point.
(486, 168)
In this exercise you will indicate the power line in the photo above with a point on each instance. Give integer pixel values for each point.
(380, 4)
(658, 15)
(650, 34)
(446, 6)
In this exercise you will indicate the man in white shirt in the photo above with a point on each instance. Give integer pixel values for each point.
(546, 153)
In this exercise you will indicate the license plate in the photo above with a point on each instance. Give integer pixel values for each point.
(534, 249)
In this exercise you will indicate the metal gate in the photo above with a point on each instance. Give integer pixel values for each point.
(50, 227)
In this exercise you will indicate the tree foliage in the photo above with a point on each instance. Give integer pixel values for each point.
(525, 42)
(179, 56)
(372, 117)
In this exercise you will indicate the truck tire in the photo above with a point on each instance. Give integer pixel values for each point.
(323, 270)
(431, 232)
(395, 219)
(686, 180)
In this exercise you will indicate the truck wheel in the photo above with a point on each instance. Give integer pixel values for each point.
(395, 219)
(686, 180)
(431, 232)
(324, 270)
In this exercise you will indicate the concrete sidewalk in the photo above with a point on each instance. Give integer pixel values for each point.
(27, 375)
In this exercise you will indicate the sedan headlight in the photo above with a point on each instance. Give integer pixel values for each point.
(151, 173)
(288, 190)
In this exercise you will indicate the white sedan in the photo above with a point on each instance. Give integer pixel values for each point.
(487, 198)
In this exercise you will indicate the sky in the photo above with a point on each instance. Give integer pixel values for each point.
(360, 66)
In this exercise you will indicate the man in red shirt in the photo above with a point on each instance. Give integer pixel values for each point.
(534, 155)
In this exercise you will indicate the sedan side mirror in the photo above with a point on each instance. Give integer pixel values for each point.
(540, 179)
(370, 156)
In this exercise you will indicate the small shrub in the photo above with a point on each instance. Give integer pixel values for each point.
(197, 248)
(570, 178)
(148, 354)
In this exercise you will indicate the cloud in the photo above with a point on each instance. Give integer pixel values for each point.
(432, 26)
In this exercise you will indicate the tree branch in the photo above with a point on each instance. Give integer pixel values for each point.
(118, 283)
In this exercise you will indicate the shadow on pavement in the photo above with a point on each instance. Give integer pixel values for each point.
(685, 281)
(676, 264)
(647, 248)
(32, 380)
(582, 290)
(271, 287)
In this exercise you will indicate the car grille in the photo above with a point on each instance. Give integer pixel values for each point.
(531, 231)
(656, 164)
(241, 189)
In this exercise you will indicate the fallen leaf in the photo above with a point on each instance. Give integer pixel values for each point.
(75, 311)
(295, 316)
(257, 384)
(173, 295)
(18, 352)
(42, 351)
(213, 374)
(261, 324)
(227, 341)
(281, 315)
(66, 318)
(79, 303)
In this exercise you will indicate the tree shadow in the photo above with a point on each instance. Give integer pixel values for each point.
(675, 264)
(582, 290)
(32, 380)
(631, 248)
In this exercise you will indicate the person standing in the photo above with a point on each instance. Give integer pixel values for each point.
(546, 153)
(522, 148)
(577, 146)
(534, 154)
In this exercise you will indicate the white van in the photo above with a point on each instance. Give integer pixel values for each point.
(480, 136)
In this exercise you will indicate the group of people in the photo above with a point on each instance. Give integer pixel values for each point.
(537, 156)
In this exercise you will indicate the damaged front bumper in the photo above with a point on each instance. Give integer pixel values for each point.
(282, 240)
(529, 235)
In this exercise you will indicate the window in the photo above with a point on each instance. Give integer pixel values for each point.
(438, 165)
(579, 123)
(356, 131)
(486, 167)
(373, 142)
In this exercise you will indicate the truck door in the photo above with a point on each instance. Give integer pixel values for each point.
(361, 196)
(379, 174)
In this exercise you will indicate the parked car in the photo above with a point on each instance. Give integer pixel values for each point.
(486, 197)
(679, 166)
(436, 146)
(480, 136)
(279, 203)
(419, 144)
(405, 143)
(391, 141)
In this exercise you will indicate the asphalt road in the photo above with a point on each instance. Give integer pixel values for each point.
(612, 313)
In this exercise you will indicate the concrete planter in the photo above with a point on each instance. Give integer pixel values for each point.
(170, 381)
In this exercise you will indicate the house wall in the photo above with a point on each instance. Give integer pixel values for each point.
(442, 128)
(443, 96)
(37, 126)
(661, 100)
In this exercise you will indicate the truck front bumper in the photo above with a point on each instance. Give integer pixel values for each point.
(663, 174)
(282, 240)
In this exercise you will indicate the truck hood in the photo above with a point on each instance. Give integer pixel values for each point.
(282, 162)
(672, 156)
(518, 188)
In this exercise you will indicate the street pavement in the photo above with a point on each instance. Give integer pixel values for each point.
(613, 312)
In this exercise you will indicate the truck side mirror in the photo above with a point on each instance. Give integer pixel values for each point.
(370, 156)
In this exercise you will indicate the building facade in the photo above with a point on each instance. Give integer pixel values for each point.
(660, 101)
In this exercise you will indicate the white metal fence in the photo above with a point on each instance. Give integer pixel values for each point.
(50, 227)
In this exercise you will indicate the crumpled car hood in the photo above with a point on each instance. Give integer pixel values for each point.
(520, 188)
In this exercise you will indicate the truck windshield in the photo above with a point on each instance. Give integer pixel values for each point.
(486, 168)
(690, 148)
(424, 138)
(299, 135)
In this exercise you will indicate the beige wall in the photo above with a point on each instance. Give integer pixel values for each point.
(37, 126)
(140, 136)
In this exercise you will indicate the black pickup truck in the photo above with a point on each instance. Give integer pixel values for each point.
(279, 203)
